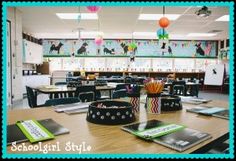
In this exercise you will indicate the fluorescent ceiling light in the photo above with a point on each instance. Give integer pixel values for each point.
(223, 18)
(158, 16)
(72, 16)
(201, 34)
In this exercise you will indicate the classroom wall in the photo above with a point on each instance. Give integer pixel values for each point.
(124, 64)
(15, 17)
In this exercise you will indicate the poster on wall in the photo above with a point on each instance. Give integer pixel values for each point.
(214, 75)
(145, 48)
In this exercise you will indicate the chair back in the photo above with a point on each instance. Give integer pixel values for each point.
(179, 83)
(60, 83)
(32, 98)
(86, 93)
(179, 88)
(119, 93)
(60, 101)
(122, 86)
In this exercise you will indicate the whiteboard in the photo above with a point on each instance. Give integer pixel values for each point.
(214, 75)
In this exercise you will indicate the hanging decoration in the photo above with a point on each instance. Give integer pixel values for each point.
(93, 9)
(132, 46)
(164, 22)
(78, 30)
(98, 41)
(163, 36)
(132, 49)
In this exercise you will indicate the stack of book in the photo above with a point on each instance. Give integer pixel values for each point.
(210, 111)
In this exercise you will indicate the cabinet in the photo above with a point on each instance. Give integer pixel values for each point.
(35, 80)
(32, 52)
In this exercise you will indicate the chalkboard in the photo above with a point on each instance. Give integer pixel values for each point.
(214, 75)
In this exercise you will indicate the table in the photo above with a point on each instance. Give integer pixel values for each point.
(111, 139)
(52, 89)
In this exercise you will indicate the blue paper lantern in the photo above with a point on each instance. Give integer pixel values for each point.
(161, 31)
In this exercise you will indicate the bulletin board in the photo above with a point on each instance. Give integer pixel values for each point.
(119, 48)
(214, 75)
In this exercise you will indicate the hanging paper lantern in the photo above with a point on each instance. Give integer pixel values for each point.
(164, 22)
(161, 31)
(93, 9)
(98, 41)
(130, 48)
(162, 34)
(133, 45)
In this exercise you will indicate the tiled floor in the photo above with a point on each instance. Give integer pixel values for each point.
(42, 98)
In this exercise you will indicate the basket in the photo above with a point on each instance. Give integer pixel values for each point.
(115, 113)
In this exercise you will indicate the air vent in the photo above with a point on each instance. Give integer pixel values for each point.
(215, 31)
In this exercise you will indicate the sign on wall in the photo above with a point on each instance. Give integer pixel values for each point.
(145, 48)
(214, 75)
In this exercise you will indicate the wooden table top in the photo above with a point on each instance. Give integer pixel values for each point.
(64, 88)
(111, 139)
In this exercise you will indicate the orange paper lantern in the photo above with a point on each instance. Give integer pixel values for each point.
(164, 22)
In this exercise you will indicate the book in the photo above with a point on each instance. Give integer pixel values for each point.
(222, 114)
(76, 111)
(197, 109)
(183, 139)
(34, 131)
(74, 106)
(210, 111)
(14, 134)
(217, 146)
(193, 100)
(179, 139)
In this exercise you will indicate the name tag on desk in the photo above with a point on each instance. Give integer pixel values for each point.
(34, 131)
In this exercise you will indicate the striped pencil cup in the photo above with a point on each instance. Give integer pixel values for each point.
(153, 103)
(134, 99)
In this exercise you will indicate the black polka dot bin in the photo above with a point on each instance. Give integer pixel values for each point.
(110, 113)
(171, 103)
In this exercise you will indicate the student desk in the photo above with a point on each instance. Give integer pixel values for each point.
(111, 139)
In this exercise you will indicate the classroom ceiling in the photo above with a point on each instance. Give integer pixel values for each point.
(121, 22)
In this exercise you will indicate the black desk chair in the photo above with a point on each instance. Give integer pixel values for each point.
(32, 98)
(193, 90)
(119, 93)
(122, 86)
(61, 94)
(99, 96)
(120, 90)
(86, 93)
(179, 88)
